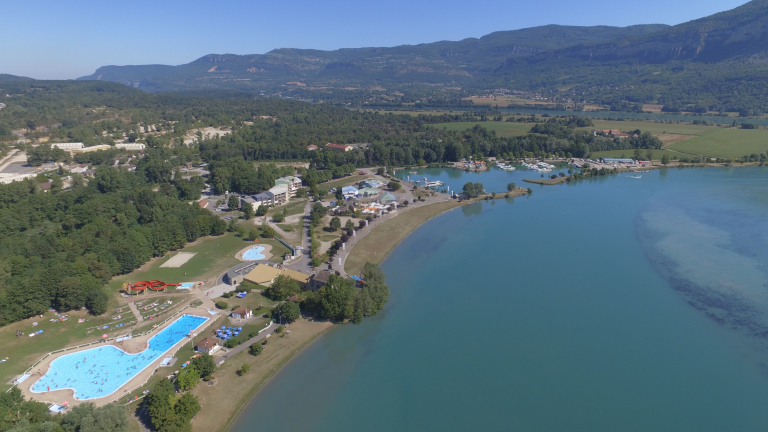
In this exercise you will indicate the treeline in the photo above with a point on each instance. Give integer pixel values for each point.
(20, 415)
(59, 249)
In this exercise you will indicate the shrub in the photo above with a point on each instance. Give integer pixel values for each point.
(243, 369)
(255, 349)
(222, 305)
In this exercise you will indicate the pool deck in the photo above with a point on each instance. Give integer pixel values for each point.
(133, 345)
(266, 252)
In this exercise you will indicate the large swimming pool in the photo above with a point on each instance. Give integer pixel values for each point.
(254, 253)
(101, 371)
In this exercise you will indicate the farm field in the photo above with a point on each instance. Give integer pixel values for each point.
(726, 143)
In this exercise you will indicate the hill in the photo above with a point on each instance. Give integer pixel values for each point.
(445, 62)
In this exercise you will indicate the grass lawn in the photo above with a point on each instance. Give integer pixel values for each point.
(726, 143)
(329, 237)
(383, 238)
(292, 208)
(213, 256)
(503, 129)
(222, 402)
(286, 227)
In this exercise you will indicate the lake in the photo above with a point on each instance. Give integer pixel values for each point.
(611, 304)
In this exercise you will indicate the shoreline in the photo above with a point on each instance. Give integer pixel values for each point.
(257, 388)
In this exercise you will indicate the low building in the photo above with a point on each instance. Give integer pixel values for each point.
(241, 313)
(349, 191)
(371, 183)
(203, 203)
(617, 160)
(369, 192)
(339, 147)
(319, 279)
(68, 146)
(264, 274)
(208, 345)
(131, 146)
(79, 169)
(92, 149)
(45, 187)
(387, 198)
(311, 147)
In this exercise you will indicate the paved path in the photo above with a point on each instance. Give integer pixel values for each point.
(304, 264)
(245, 345)
(135, 310)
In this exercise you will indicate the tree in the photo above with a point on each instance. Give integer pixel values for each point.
(253, 234)
(204, 364)
(97, 302)
(233, 203)
(380, 171)
(244, 369)
(511, 187)
(286, 312)
(638, 156)
(247, 211)
(255, 349)
(278, 217)
(267, 232)
(188, 378)
(394, 185)
(649, 154)
(282, 287)
(262, 210)
(335, 223)
(349, 225)
(473, 190)
(222, 305)
(87, 418)
(336, 298)
(664, 159)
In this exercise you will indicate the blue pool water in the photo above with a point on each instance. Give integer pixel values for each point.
(254, 253)
(98, 372)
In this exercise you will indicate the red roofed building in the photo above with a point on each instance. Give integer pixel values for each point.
(311, 147)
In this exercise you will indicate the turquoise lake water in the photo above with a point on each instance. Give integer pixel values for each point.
(613, 304)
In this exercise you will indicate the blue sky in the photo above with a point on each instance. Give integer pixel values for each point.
(55, 39)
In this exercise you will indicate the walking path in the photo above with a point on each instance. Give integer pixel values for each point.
(246, 344)
(135, 310)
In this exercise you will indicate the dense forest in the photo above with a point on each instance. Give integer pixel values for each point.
(58, 249)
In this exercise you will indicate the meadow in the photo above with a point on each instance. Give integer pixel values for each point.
(726, 143)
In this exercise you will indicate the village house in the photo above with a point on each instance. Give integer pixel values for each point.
(311, 147)
(208, 345)
(241, 313)
(319, 280)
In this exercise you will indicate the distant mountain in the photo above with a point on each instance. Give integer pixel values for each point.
(739, 32)
(446, 62)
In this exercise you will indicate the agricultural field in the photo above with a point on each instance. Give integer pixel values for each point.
(726, 143)
(657, 154)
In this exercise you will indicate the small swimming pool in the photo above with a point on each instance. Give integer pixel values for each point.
(99, 372)
(254, 253)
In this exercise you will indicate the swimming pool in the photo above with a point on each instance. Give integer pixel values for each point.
(254, 253)
(99, 372)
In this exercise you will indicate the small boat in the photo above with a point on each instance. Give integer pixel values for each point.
(636, 176)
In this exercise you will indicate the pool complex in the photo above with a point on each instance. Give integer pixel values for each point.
(99, 372)
(254, 253)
